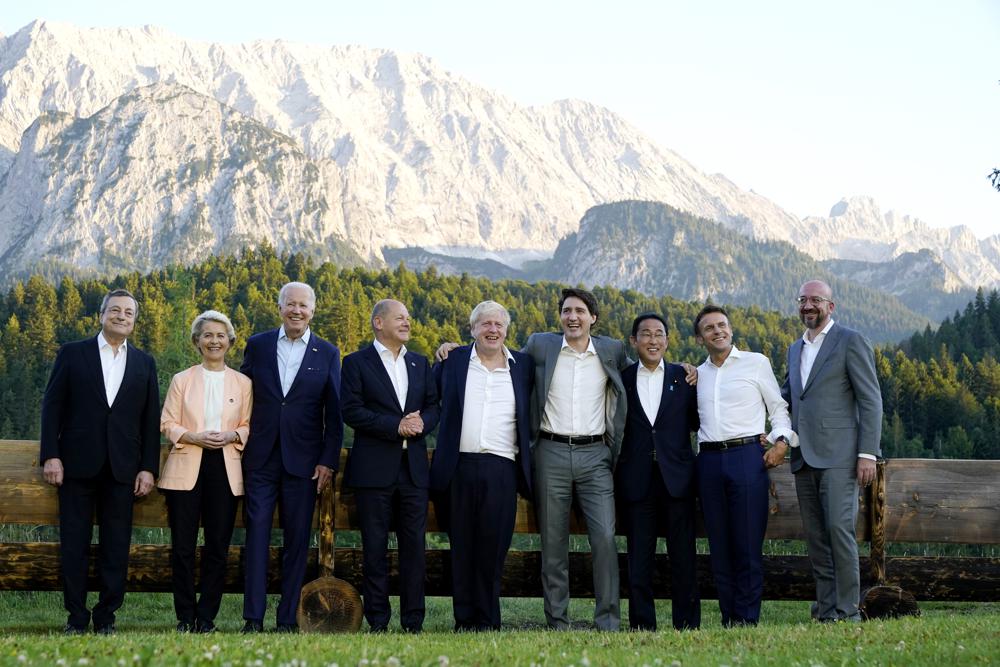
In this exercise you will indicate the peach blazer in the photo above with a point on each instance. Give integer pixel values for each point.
(184, 410)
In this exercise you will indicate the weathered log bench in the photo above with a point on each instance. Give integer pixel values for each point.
(913, 500)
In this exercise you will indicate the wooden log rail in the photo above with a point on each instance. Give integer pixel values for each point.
(916, 500)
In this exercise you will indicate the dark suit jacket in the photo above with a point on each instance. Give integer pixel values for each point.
(669, 435)
(837, 414)
(451, 376)
(307, 422)
(81, 429)
(373, 411)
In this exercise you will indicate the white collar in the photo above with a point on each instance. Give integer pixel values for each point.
(304, 337)
(475, 355)
(590, 346)
(102, 342)
(660, 367)
(734, 353)
(825, 331)
(380, 348)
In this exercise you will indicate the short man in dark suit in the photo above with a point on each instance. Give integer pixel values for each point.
(293, 449)
(483, 457)
(836, 405)
(101, 446)
(655, 477)
(390, 400)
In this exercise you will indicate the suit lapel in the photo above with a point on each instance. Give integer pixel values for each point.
(551, 357)
(93, 357)
(795, 367)
(463, 376)
(374, 361)
(272, 359)
(308, 361)
(131, 370)
(666, 395)
(414, 385)
(830, 343)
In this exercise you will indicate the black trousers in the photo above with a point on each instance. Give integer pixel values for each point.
(376, 510)
(644, 520)
(483, 511)
(113, 501)
(211, 502)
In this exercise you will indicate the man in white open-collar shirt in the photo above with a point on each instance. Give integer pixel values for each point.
(736, 392)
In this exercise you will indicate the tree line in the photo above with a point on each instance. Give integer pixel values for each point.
(944, 403)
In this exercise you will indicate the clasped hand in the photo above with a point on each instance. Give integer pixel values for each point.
(411, 425)
(210, 439)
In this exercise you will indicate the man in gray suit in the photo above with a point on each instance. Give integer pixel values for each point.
(836, 406)
(577, 418)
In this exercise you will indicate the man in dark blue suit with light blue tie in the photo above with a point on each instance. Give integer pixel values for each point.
(655, 477)
(482, 459)
(390, 401)
(293, 448)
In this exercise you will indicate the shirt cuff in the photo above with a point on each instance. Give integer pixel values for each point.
(790, 435)
(870, 457)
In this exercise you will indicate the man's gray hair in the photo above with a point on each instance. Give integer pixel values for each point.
(119, 292)
(283, 294)
(211, 316)
(485, 308)
(381, 309)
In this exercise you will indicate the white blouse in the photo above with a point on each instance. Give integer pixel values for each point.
(214, 383)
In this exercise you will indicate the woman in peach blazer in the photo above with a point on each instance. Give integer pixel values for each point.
(206, 417)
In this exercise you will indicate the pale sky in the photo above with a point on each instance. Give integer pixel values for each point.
(803, 102)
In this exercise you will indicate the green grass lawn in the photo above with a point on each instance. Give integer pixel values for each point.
(945, 635)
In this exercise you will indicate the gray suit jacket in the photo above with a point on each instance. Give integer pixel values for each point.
(838, 412)
(544, 350)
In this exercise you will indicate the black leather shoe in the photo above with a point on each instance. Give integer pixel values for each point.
(252, 627)
(108, 629)
(287, 628)
(204, 627)
(184, 626)
(70, 629)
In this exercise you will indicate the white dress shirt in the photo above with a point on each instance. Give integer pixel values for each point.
(290, 355)
(488, 419)
(112, 366)
(214, 388)
(396, 368)
(734, 399)
(649, 386)
(810, 350)
(576, 401)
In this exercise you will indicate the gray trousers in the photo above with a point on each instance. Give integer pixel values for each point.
(828, 503)
(559, 470)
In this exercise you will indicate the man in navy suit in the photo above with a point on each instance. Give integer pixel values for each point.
(100, 446)
(390, 401)
(483, 457)
(655, 477)
(293, 449)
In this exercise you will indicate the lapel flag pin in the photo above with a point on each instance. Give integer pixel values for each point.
(315, 350)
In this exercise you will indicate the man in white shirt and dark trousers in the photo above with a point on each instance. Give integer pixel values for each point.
(482, 459)
(390, 400)
(736, 391)
(836, 406)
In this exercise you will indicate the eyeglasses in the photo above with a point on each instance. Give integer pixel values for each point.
(812, 300)
(655, 335)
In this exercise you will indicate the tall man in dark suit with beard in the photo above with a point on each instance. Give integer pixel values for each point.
(100, 445)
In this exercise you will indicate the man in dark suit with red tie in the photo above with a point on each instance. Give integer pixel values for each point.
(482, 459)
(100, 446)
(655, 477)
(390, 401)
(293, 449)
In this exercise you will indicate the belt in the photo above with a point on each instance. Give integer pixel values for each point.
(572, 439)
(728, 444)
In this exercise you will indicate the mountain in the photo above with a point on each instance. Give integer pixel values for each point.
(920, 280)
(423, 157)
(856, 229)
(162, 175)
